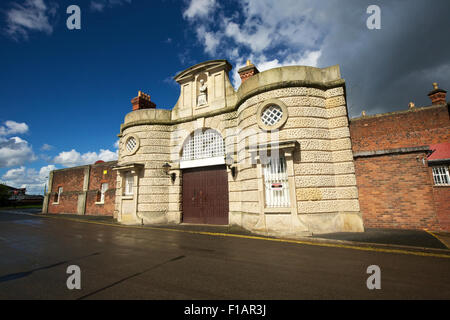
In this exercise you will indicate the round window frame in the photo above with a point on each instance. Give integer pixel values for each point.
(136, 147)
(263, 106)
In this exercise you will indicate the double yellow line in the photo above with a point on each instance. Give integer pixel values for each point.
(302, 242)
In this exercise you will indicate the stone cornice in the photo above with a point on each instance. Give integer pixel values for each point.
(376, 153)
(387, 114)
(242, 97)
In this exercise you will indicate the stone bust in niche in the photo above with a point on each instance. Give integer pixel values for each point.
(202, 96)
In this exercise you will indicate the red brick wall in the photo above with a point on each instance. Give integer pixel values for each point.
(72, 179)
(97, 177)
(397, 191)
(421, 127)
(72, 182)
(441, 196)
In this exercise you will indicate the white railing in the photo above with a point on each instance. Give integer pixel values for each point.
(441, 176)
(276, 183)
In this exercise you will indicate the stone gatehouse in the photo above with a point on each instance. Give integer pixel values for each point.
(279, 156)
(274, 157)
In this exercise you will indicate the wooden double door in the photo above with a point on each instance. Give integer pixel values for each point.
(205, 195)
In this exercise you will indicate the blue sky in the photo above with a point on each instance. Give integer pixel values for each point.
(64, 93)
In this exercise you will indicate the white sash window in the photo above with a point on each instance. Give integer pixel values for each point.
(276, 183)
(58, 195)
(129, 182)
(102, 192)
(441, 176)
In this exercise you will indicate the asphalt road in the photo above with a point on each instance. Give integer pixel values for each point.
(131, 263)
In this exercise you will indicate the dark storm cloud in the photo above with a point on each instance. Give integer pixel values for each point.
(386, 69)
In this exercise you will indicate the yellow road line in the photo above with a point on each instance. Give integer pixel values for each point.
(311, 243)
(434, 235)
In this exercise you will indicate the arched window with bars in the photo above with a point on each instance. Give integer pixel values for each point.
(203, 148)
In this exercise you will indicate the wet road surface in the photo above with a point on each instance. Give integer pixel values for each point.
(132, 263)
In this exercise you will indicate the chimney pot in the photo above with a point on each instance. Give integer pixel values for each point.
(142, 101)
(438, 96)
(248, 71)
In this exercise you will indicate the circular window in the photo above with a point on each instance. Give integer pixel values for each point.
(272, 114)
(131, 145)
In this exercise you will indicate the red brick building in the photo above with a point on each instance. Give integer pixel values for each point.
(402, 166)
(84, 190)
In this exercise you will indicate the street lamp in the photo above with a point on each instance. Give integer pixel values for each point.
(166, 168)
(229, 160)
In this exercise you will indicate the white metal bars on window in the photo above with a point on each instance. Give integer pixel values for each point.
(276, 183)
(103, 189)
(271, 115)
(441, 176)
(129, 182)
(131, 144)
(203, 145)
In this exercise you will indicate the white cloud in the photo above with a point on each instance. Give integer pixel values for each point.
(46, 147)
(256, 37)
(15, 151)
(74, 158)
(325, 32)
(12, 127)
(271, 34)
(31, 179)
(209, 40)
(199, 9)
(97, 6)
(100, 5)
(33, 15)
(309, 58)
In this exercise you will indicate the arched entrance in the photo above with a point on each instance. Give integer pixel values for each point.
(205, 179)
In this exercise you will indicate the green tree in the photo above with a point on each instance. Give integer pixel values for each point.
(4, 195)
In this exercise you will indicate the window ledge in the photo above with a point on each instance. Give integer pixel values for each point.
(98, 203)
(441, 186)
(127, 197)
(55, 203)
(283, 210)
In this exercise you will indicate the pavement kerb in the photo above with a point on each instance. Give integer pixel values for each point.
(362, 246)
(437, 237)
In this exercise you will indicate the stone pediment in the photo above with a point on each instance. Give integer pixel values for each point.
(204, 88)
(207, 66)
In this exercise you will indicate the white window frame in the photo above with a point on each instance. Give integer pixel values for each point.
(130, 144)
(103, 188)
(441, 175)
(128, 184)
(203, 148)
(271, 115)
(275, 173)
(124, 151)
(60, 190)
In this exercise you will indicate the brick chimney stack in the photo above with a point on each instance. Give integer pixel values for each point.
(142, 101)
(247, 71)
(438, 96)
